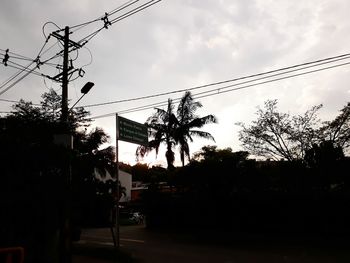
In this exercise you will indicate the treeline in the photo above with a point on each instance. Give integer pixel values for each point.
(221, 189)
(35, 185)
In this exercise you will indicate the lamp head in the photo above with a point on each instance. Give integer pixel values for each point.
(87, 87)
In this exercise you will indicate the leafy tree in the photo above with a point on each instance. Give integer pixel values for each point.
(170, 128)
(140, 172)
(278, 135)
(212, 153)
(338, 130)
(327, 163)
(31, 178)
(50, 111)
(323, 154)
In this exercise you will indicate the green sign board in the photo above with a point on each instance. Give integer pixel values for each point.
(131, 131)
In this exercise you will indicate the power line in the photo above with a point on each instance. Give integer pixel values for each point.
(314, 63)
(18, 80)
(134, 11)
(27, 70)
(20, 67)
(22, 70)
(218, 91)
(15, 76)
(49, 22)
(15, 101)
(12, 54)
(117, 9)
(122, 7)
(10, 101)
(107, 23)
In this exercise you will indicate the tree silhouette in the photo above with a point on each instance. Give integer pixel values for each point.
(338, 130)
(161, 127)
(175, 129)
(32, 178)
(186, 123)
(278, 135)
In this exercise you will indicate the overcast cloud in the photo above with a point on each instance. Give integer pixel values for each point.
(179, 44)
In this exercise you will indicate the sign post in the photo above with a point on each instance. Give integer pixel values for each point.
(116, 239)
(133, 132)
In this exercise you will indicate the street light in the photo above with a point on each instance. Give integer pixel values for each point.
(67, 141)
(87, 87)
(84, 90)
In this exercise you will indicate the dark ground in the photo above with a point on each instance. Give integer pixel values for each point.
(142, 245)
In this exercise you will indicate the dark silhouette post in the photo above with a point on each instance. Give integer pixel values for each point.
(117, 238)
(65, 255)
(66, 139)
(64, 115)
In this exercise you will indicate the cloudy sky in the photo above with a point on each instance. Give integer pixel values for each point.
(181, 44)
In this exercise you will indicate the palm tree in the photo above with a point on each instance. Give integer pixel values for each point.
(161, 127)
(187, 121)
(175, 129)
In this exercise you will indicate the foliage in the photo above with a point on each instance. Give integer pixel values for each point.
(337, 131)
(186, 123)
(161, 126)
(246, 195)
(323, 154)
(170, 128)
(278, 135)
(31, 189)
(49, 111)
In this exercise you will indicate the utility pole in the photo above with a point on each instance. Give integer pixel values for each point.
(65, 138)
(64, 115)
(66, 256)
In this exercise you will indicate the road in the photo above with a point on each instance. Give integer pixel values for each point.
(146, 246)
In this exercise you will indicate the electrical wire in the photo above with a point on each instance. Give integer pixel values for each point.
(27, 70)
(49, 22)
(300, 66)
(15, 75)
(10, 101)
(117, 9)
(122, 7)
(219, 91)
(91, 57)
(13, 53)
(19, 58)
(18, 80)
(20, 67)
(134, 11)
(86, 39)
(21, 71)
(16, 101)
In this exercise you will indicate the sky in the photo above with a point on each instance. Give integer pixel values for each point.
(178, 45)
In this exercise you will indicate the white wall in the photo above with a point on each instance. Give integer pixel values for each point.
(126, 181)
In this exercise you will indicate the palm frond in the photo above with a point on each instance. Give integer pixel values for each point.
(202, 134)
